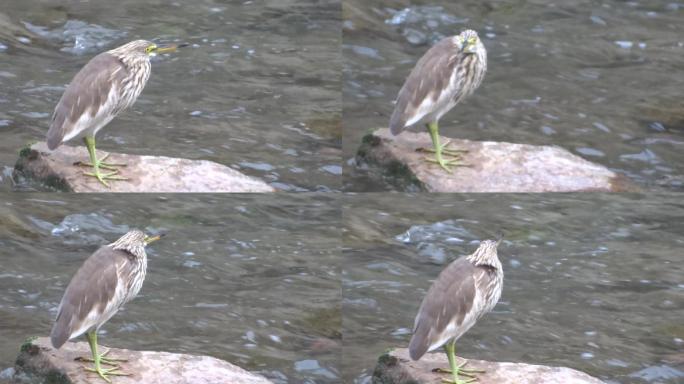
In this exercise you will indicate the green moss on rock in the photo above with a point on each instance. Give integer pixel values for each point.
(385, 363)
(27, 344)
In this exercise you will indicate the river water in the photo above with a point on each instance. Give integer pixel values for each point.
(602, 79)
(238, 278)
(592, 282)
(258, 89)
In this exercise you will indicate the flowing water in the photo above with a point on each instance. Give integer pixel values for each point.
(258, 89)
(602, 79)
(238, 278)
(592, 282)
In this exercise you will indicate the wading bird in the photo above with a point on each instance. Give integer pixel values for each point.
(464, 292)
(108, 84)
(108, 279)
(448, 72)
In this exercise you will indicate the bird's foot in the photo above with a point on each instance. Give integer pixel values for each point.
(102, 177)
(445, 150)
(458, 381)
(101, 164)
(461, 370)
(445, 163)
(104, 373)
(104, 360)
(466, 373)
(444, 157)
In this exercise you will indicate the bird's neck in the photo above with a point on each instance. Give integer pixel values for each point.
(136, 251)
(485, 260)
(130, 61)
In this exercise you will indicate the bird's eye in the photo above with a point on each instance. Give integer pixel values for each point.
(150, 48)
(472, 40)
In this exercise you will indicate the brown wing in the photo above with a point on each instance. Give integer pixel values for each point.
(450, 296)
(429, 78)
(90, 290)
(86, 93)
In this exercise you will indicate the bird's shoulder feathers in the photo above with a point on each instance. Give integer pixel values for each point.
(89, 294)
(448, 300)
(425, 84)
(86, 96)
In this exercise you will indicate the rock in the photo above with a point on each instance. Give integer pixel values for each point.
(492, 166)
(396, 367)
(56, 169)
(39, 362)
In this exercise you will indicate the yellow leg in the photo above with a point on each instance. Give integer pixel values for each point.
(97, 359)
(433, 128)
(456, 370)
(90, 144)
(104, 360)
(445, 150)
(103, 164)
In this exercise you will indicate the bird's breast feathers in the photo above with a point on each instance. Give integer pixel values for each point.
(90, 122)
(439, 101)
(454, 330)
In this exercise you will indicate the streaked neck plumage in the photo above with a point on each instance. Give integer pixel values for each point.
(486, 254)
(132, 242)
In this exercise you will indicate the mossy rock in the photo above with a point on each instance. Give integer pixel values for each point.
(385, 361)
(394, 172)
(29, 350)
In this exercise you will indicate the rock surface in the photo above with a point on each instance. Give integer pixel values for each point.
(491, 166)
(39, 362)
(396, 367)
(56, 169)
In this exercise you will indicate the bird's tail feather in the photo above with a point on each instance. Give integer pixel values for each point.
(397, 122)
(419, 342)
(54, 139)
(60, 332)
(55, 134)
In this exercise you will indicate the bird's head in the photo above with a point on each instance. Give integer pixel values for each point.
(469, 41)
(144, 48)
(486, 253)
(134, 242)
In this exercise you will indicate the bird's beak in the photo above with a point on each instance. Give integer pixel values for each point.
(469, 48)
(152, 239)
(499, 238)
(168, 48)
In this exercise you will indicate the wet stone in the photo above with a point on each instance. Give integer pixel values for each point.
(39, 362)
(490, 166)
(396, 367)
(55, 169)
(78, 37)
(421, 23)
